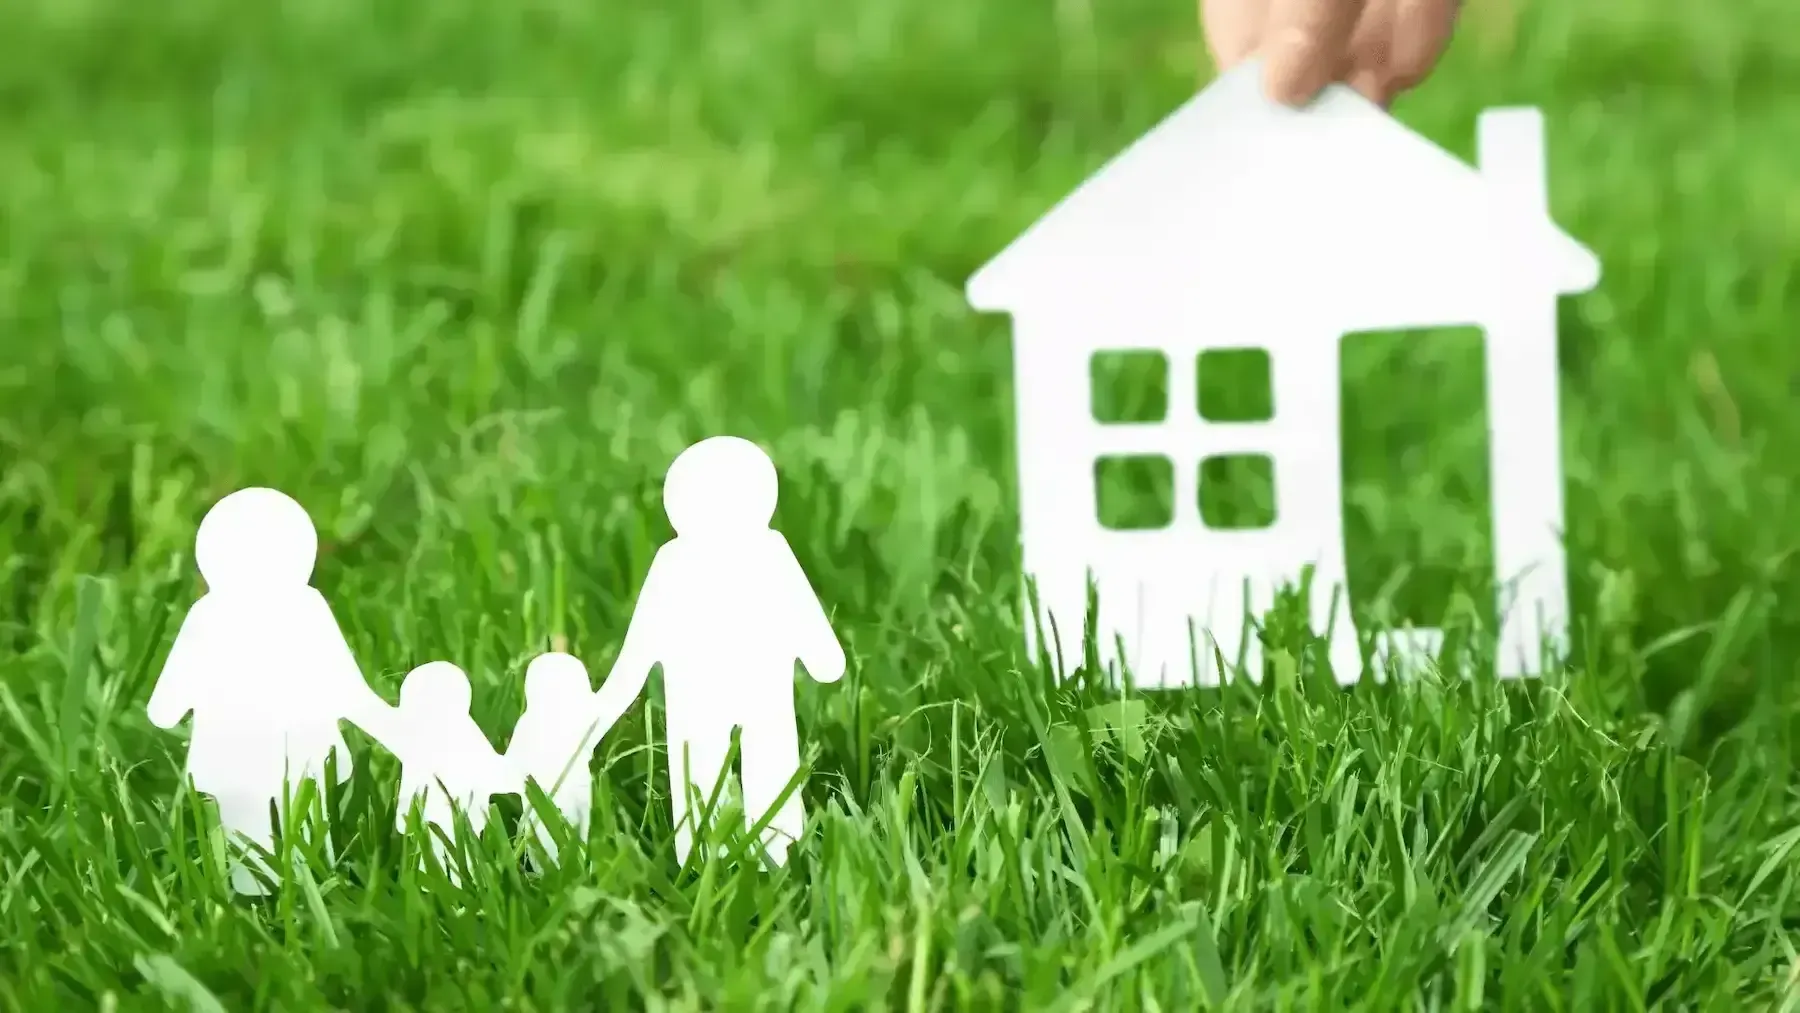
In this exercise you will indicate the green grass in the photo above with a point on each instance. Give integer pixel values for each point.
(463, 277)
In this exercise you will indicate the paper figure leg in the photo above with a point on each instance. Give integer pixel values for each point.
(1346, 654)
(445, 855)
(696, 766)
(541, 831)
(771, 756)
(472, 809)
(437, 826)
(245, 820)
(574, 810)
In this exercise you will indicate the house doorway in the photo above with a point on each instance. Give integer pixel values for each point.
(1418, 525)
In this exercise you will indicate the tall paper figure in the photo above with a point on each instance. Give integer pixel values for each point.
(1239, 224)
(263, 667)
(726, 610)
(553, 742)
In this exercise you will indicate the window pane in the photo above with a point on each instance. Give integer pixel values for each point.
(1235, 385)
(1129, 386)
(1237, 492)
(1134, 492)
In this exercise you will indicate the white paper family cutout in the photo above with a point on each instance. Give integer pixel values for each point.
(1238, 223)
(445, 760)
(262, 665)
(726, 610)
(554, 738)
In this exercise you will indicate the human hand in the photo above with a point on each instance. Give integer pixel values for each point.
(1381, 48)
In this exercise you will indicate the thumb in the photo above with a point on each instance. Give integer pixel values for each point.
(1306, 45)
(1231, 28)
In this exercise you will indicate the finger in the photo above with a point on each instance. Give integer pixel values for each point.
(1231, 28)
(1372, 86)
(1422, 30)
(1306, 43)
(1370, 52)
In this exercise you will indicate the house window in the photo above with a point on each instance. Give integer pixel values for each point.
(1129, 386)
(1237, 492)
(1234, 385)
(1134, 492)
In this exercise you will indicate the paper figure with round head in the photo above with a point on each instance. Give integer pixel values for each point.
(446, 763)
(554, 741)
(263, 667)
(726, 610)
(721, 488)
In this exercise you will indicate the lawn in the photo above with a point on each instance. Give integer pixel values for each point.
(464, 277)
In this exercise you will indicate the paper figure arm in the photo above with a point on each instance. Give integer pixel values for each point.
(365, 709)
(505, 776)
(592, 734)
(380, 719)
(354, 701)
(638, 654)
(515, 759)
(818, 646)
(173, 696)
(524, 761)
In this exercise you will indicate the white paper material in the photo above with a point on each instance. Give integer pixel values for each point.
(447, 765)
(1241, 223)
(263, 668)
(725, 610)
(553, 743)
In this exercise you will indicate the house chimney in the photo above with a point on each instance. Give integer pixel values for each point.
(1509, 147)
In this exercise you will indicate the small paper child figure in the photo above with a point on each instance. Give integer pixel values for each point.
(726, 610)
(444, 757)
(264, 668)
(553, 741)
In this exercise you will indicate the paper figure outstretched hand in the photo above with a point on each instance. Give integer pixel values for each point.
(726, 610)
(263, 667)
(444, 758)
(553, 742)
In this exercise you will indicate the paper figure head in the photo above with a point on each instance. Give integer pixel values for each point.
(721, 484)
(555, 681)
(256, 538)
(435, 688)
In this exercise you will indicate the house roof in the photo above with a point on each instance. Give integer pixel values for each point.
(1258, 201)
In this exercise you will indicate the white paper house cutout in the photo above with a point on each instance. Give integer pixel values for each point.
(1240, 223)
